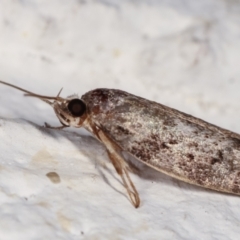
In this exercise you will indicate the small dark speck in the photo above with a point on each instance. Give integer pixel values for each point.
(82, 232)
(215, 160)
(173, 142)
(193, 144)
(54, 177)
(190, 156)
(122, 130)
(220, 154)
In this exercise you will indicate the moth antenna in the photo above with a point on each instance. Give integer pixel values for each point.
(16, 87)
(43, 97)
(59, 92)
(46, 97)
(45, 100)
(31, 94)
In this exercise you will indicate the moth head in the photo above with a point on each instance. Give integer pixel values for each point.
(71, 111)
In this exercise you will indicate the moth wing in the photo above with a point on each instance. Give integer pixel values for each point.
(174, 143)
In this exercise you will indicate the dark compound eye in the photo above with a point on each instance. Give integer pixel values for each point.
(77, 107)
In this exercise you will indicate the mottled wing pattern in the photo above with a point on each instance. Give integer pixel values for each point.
(170, 141)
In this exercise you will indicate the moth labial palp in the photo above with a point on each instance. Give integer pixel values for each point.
(165, 139)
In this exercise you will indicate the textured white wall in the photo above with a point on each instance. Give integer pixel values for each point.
(184, 54)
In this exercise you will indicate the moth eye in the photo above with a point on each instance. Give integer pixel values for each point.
(76, 107)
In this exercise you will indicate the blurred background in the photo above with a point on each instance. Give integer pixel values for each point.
(184, 54)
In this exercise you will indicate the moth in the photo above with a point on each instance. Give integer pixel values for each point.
(172, 142)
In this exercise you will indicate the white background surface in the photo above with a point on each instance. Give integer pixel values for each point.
(184, 54)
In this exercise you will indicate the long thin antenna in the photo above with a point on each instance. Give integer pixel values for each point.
(31, 94)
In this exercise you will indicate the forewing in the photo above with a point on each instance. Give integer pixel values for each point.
(175, 143)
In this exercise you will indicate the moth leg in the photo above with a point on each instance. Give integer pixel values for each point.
(121, 168)
(49, 126)
(127, 182)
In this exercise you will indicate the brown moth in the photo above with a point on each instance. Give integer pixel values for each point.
(172, 142)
